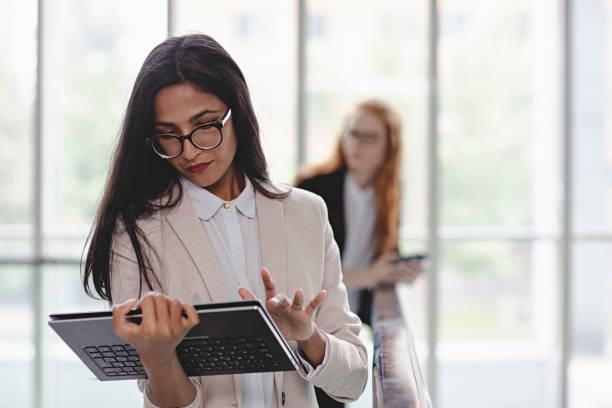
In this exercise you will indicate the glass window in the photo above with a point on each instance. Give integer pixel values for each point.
(499, 114)
(18, 83)
(497, 321)
(92, 54)
(592, 119)
(591, 332)
(262, 40)
(499, 201)
(357, 50)
(590, 361)
(67, 379)
(16, 336)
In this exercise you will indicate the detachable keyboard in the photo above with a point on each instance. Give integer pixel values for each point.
(197, 356)
(231, 338)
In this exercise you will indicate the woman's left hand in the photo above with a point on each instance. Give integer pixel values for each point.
(294, 321)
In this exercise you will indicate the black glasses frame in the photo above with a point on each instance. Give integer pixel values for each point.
(218, 125)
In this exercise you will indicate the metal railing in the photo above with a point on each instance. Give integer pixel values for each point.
(396, 379)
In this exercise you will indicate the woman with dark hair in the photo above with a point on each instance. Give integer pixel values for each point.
(189, 215)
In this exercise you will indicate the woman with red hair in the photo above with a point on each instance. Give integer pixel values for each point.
(360, 185)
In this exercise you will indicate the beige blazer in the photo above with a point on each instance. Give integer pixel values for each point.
(298, 249)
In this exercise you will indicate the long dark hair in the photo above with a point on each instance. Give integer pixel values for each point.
(139, 178)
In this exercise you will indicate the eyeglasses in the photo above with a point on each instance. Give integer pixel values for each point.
(207, 136)
(362, 138)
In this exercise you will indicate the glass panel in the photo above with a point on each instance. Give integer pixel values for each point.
(590, 364)
(413, 299)
(67, 380)
(590, 367)
(93, 51)
(497, 323)
(359, 50)
(261, 37)
(592, 116)
(499, 113)
(16, 336)
(18, 82)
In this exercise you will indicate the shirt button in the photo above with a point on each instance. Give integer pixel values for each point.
(226, 205)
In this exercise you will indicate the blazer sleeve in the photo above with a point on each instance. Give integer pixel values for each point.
(343, 375)
(126, 285)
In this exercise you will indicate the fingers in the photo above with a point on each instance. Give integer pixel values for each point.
(164, 316)
(408, 271)
(182, 316)
(298, 299)
(192, 316)
(388, 272)
(176, 310)
(147, 305)
(121, 326)
(314, 303)
(162, 313)
(388, 256)
(279, 301)
(123, 308)
(282, 301)
(245, 293)
(269, 284)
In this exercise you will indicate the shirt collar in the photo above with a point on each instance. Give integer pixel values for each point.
(355, 191)
(207, 204)
(245, 202)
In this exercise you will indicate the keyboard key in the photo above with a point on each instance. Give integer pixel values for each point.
(101, 363)
(104, 349)
(117, 348)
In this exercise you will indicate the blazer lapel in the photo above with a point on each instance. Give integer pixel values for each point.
(270, 218)
(186, 224)
(272, 238)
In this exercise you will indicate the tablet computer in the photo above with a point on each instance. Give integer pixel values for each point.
(231, 338)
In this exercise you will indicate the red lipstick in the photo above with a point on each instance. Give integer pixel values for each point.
(198, 167)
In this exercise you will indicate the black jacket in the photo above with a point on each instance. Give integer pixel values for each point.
(331, 188)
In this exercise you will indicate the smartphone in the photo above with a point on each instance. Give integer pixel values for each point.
(415, 257)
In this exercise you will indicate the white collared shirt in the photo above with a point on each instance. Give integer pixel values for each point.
(233, 232)
(360, 216)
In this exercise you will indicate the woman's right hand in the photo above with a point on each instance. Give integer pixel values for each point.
(162, 328)
(386, 272)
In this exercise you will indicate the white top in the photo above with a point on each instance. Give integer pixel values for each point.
(233, 232)
(360, 218)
